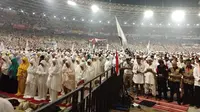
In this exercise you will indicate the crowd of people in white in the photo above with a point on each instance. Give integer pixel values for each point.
(34, 72)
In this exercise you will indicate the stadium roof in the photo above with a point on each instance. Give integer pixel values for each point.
(165, 3)
(125, 12)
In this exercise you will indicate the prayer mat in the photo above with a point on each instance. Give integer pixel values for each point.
(147, 103)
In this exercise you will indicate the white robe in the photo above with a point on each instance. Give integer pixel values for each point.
(91, 72)
(5, 67)
(42, 89)
(30, 90)
(138, 78)
(54, 78)
(68, 79)
(149, 77)
(196, 74)
(77, 72)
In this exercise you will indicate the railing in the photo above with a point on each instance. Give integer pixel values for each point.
(89, 98)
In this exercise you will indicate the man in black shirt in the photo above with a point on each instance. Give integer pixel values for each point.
(162, 75)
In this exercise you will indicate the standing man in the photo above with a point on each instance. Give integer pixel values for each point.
(162, 76)
(188, 83)
(175, 74)
(138, 78)
(128, 75)
(196, 75)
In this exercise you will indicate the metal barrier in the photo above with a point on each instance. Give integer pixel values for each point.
(90, 98)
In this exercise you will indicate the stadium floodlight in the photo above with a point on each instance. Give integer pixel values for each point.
(142, 23)
(188, 24)
(197, 24)
(33, 13)
(169, 24)
(64, 17)
(133, 23)
(74, 19)
(91, 20)
(10, 8)
(199, 14)
(108, 22)
(160, 24)
(95, 8)
(69, 2)
(178, 15)
(151, 24)
(148, 14)
(99, 21)
(22, 11)
(82, 20)
(54, 16)
(44, 15)
(125, 22)
(178, 24)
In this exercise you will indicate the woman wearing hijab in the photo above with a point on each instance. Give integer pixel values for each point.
(22, 75)
(4, 74)
(12, 72)
(54, 80)
(30, 90)
(68, 77)
(41, 86)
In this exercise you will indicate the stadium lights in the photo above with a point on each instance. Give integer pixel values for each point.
(99, 21)
(82, 20)
(22, 11)
(64, 17)
(133, 23)
(169, 24)
(148, 14)
(199, 14)
(91, 20)
(125, 22)
(142, 23)
(54, 16)
(151, 24)
(33, 13)
(69, 2)
(74, 19)
(95, 8)
(44, 15)
(10, 9)
(188, 24)
(197, 24)
(160, 24)
(108, 22)
(178, 15)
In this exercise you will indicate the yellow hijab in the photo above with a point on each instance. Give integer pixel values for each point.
(23, 66)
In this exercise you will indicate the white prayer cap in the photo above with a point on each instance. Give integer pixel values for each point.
(89, 60)
(43, 62)
(149, 58)
(82, 64)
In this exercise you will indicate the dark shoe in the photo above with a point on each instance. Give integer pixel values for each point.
(170, 101)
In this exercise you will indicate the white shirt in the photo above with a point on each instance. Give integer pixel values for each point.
(196, 74)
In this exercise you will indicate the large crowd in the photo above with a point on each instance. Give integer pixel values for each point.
(38, 71)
